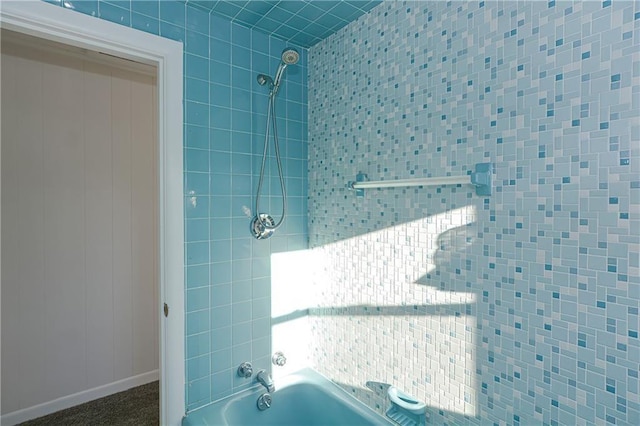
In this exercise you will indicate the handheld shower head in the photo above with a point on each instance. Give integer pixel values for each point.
(263, 225)
(290, 56)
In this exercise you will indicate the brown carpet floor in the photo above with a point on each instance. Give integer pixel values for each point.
(137, 406)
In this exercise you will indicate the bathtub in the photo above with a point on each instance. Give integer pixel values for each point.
(303, 398)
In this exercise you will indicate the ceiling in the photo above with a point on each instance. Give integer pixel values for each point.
(301, 22)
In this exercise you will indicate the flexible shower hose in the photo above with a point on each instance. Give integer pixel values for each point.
(271, 122)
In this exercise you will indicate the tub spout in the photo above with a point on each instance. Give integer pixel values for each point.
(264, 378)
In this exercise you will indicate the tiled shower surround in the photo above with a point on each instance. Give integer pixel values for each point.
(517, 308)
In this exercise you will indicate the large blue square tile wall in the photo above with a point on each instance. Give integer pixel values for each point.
(227, 273)
(517, 308)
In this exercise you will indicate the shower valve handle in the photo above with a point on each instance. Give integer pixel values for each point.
(278, 359)
(245, 370)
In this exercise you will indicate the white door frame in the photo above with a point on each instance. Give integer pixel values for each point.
(40, 19)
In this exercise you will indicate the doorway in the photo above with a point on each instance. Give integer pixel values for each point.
(46, 21)
(79, 215)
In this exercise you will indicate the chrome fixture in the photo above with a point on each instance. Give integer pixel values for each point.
(264, 402)
(481, 179)
(258, 227)
(264, 79)
(245, 370)
(290, 56)
(262, 224)
(278, 359)
(264, 378)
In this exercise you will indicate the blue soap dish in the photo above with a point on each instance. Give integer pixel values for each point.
(405, 409)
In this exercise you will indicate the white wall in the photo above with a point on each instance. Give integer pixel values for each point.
(291, 298)
(79, 226)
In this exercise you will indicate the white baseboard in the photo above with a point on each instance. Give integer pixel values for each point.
(72, 400)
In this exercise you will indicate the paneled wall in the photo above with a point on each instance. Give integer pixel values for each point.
(79, 225)
(518, 308)
(228, 273)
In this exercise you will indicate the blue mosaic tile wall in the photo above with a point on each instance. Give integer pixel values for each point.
(228, 306)
(518, 308)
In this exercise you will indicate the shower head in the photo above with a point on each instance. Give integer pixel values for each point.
(290, 56)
